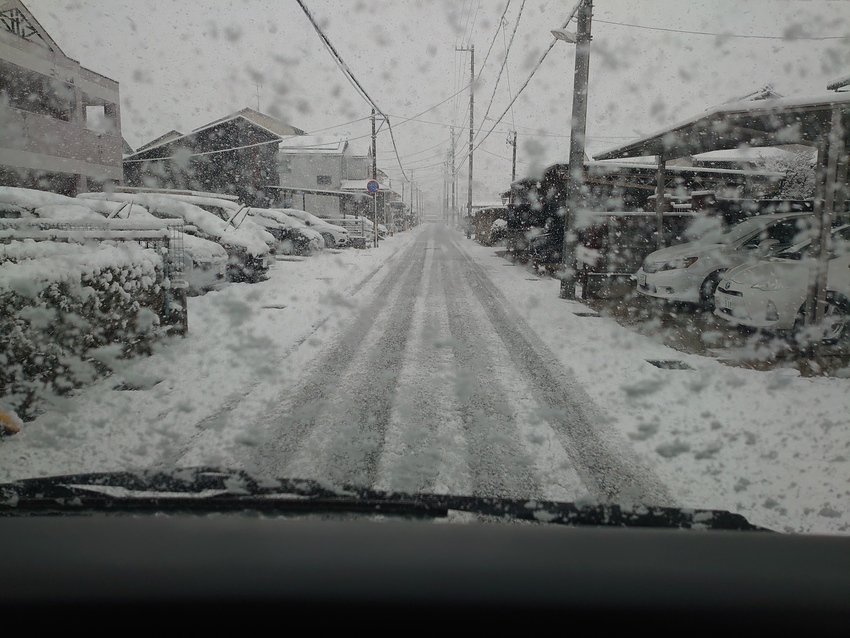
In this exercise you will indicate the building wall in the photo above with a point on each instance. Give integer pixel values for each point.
(322, 171)
(60, 124)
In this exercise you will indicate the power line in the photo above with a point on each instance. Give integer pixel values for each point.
(342, 65)
(347, 72)
(530, 75)
(504, 62)
(493, 41)
(725, 35)
(424, 150)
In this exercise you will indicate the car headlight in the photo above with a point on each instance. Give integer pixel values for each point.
(769, 285)
(676, 264)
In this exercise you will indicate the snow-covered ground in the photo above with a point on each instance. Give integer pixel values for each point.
(773, 446)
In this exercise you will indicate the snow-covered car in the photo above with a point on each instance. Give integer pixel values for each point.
(690, 272)
(771, 294)
(25, 202)
(204, 261)
(361, 232)
(225, 208)
(249, 256)
(334, 236)
(293, 236)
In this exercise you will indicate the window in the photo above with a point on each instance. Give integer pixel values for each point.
(324, 180)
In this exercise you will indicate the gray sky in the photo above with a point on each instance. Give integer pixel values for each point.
(183, 63)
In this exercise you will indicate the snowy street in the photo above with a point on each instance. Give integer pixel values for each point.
(431, 364)
(436, 384)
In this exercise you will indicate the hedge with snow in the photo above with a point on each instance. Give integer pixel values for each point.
(69, 311)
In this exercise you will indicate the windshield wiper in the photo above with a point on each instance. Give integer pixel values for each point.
(204, 490)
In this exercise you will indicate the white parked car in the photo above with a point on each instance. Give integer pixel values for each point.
(771, 294)
(690, 272)
(334, 236)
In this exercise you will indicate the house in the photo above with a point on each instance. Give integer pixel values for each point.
(235, 155)
(60, 123)
(311, 170)
(319, 174)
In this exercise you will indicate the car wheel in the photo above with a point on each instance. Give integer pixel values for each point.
(834, 326)
(836, 319)
(707, 290)
(329, 240)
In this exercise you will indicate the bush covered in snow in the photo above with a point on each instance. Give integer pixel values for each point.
(69, 311)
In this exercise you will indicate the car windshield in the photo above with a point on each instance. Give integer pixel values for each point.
(489, 323)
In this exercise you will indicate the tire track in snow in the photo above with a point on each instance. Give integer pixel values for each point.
(425, 448)
(333, 426)
(609, 469)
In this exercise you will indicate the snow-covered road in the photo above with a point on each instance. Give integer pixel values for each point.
(436, 385)
(431, 363)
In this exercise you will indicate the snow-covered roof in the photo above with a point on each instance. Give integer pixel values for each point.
(173, 134)
(769, 122)
(267, 122)
(314, 144)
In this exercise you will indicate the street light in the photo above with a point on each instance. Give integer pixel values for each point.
(566, 36)
(577, 130)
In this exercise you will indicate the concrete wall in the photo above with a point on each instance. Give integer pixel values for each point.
(44, 131)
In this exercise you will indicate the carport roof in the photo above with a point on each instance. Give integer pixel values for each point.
(771, 122)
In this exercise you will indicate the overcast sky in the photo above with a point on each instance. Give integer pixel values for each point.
(184, 63)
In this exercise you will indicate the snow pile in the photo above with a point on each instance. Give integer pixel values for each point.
(68, 311)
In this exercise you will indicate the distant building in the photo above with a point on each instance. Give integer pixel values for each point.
(236, 155)
(319, 174)
(60, 123)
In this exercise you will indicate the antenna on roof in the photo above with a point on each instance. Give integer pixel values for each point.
(257, 85)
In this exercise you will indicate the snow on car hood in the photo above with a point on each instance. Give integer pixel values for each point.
(316, 222)
(191, 214)
(690, 249)
(791, 272)
(29, 198)
(287, 221)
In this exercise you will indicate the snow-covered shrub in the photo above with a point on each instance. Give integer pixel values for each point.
(69, 311)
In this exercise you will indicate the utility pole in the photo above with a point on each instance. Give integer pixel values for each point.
(454, 174)
(471, 50)
(576, 165)
(375, 177)
(257, 85)
(446, 187)
(512, 141)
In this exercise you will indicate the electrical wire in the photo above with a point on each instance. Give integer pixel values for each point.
(493, 41)
(347, 72)
(530, 75)
(725, 35)
(502, 68)
(342, 65)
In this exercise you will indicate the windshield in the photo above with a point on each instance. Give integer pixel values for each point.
(486, 326)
